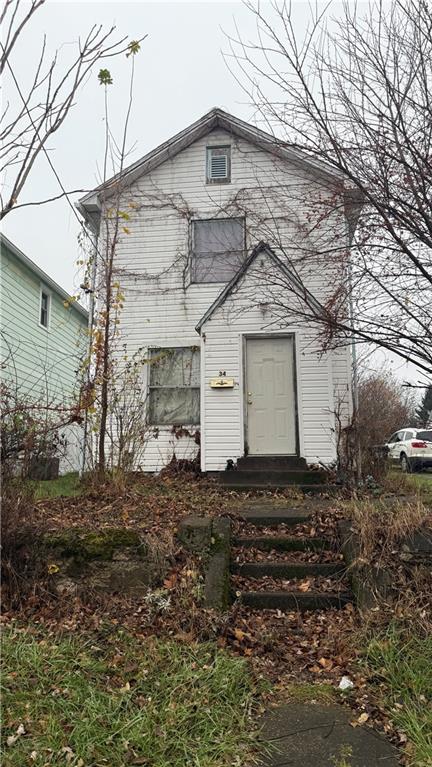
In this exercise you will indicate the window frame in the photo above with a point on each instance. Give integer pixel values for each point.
(44, 291)
(150, 387)
(209, 179)
(192, 246)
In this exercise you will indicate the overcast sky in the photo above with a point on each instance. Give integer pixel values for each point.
(180, 75)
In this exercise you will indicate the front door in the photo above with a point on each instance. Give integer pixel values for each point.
(270, 396)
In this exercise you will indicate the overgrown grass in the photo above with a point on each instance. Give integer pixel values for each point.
(116, 700)
(67, 486)
(403, 668)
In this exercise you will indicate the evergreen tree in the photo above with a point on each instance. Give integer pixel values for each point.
(424, 410)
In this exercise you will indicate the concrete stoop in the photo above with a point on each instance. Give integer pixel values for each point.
(274, 472)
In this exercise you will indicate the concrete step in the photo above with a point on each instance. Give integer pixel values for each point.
(264, 516)
(281, 543)
(306, 489)
(289, 601)
(272, 477)
(287, 570)
(280, 462)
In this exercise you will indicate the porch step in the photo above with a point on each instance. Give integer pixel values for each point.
(281, 543)
(271, 462)
(271, 477)
(263, 516)
(294, 600)
(305, 489)
(287, 570)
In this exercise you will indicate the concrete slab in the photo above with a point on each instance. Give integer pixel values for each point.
(309, 735)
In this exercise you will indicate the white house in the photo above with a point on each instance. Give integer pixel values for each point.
(226, 262)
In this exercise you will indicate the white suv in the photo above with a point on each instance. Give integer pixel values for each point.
(411, 448)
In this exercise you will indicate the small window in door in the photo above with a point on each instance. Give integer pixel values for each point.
(44, 308)
(218, 164)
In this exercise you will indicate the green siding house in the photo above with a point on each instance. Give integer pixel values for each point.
(43, 338)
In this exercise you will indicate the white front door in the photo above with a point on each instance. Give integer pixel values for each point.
(270, 396)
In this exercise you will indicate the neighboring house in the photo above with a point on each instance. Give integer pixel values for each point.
(43, 337)
(221, 237)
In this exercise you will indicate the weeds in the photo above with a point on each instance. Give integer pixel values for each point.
(400, 665)
(382, 526)
(20, 564)
(110, 698)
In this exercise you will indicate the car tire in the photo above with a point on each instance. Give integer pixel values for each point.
(405, 463)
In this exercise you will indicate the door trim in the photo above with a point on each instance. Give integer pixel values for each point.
(261, 336)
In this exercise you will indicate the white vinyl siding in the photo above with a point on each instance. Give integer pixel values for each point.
(162, 307)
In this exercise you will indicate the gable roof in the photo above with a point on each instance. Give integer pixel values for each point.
(262, 247)
(41, 275)
(89, 205)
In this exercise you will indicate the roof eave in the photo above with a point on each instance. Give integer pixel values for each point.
(43, 276)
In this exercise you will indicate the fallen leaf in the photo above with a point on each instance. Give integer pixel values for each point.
(326, 663)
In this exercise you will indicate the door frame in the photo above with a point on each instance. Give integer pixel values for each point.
(261, 336)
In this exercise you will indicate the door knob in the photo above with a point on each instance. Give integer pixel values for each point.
(249, 398)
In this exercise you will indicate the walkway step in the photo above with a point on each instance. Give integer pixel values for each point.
(287, 570)
(241, 486)
(273, 477)
(271, 517)
(272, 462)
(294, 600)
(279, 543)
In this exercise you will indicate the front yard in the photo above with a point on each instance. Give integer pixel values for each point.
(158, 680)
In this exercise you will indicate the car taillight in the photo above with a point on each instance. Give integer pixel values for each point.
(418, 444)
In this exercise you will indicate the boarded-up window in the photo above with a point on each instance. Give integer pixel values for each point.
(174, 386)
(218, 249)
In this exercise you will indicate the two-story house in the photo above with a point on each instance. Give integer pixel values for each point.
(42, 342)
(225, 264)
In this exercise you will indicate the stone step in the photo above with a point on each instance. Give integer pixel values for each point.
(281, 543)
(263, 516)
(271, 462)
(289, 601)
(287, 570)
(272, 477)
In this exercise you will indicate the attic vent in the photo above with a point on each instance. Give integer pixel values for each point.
(218, 164)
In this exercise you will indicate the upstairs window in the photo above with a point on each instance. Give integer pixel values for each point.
(218, 164)
(174, 392)
(218, 249)
(44, 308)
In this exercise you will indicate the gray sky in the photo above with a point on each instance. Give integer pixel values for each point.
(180, 75)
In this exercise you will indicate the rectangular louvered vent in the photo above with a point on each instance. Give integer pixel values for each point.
(218, 164)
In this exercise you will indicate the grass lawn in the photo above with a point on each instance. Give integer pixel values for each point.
(67, 486)
(93, 699)
(403, 669)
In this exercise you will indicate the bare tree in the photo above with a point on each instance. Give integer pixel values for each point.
(106, 363)
(354, 93)
(36, 111)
